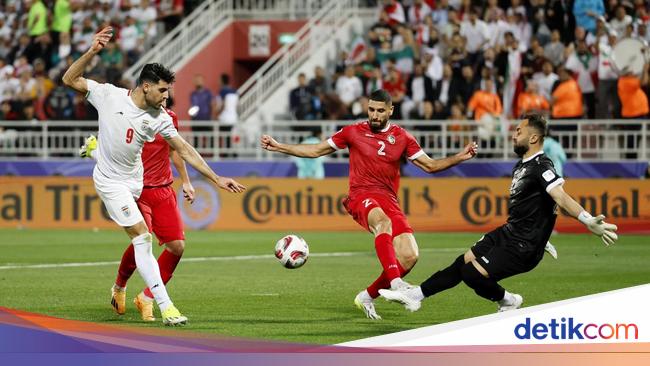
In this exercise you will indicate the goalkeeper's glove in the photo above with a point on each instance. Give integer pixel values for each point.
(597, 225)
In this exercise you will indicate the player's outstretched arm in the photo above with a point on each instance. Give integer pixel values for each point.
(179, 163)
(73, 76)
(192, 157)
(429, 165)
(597, 225)
(301, 151)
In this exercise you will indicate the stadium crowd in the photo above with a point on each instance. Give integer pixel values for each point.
(464, 59)
(40, 39)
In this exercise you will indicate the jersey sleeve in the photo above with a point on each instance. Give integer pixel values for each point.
(97, 92)
(340, 140)
(167, 129)
(413, 149)
(547, 176)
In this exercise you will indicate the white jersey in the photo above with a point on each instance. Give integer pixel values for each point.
(123, 130)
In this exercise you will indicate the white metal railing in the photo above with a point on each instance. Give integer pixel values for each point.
(606, 140)
(333, 15)
(209, 16)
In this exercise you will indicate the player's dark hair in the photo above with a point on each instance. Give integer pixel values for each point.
(538, 122)
(154, 73)
(380, 95)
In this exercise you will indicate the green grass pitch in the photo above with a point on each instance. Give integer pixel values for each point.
(231, 294)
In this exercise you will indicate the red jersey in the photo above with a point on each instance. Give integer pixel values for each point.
(155, 159)
(375, 158)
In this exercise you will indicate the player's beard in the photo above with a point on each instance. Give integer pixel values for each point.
(374, 127)
(520, 150)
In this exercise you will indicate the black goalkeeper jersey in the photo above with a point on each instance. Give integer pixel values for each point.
(531, 210)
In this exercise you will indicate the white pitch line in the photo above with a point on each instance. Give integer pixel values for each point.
(203, 259)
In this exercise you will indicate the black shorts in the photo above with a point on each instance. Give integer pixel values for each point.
(503, 256)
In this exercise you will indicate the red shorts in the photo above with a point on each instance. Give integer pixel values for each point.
(160, 210)
(359, 207)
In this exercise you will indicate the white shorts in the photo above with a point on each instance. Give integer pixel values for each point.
(119, 199)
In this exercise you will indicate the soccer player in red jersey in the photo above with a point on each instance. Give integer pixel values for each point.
(158, 205)
(376, 149)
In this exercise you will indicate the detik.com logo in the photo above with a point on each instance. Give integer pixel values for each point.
(569, 328)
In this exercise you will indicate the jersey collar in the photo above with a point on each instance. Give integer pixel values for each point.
(532, 157)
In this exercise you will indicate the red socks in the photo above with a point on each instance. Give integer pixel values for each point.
(382, 282)
(127, 266)
(167, 263)
(386, 254)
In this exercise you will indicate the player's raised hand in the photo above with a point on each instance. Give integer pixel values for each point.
(469, 151)
(101, 39)
(269, 143)
(230, 185)
(599, 227)
(188, 192)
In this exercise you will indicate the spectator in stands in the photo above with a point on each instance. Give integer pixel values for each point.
(545, 80)
(567, 97)
(170, 12)
(462, 90)
(302, 102)
(395, 12)
(348, 87)
(509, 65)
(61, 20)
(395, 85)
(621, 20)
(381, 31)
(634, 102)
(433, 63)
(22, 48)
(146, 15)
(375, 82)
(226, 103)
(113, 62)
(608, 104)
(584, 64)
(131, 40)
(36, 18)
(586, 12)
(201, 98)
(59, 104)
(319, 85)
(476, 34)
(441, 99)
(60, 52)
(642, 31)
(485, 101)
(419, 90)
(634, 105)
(417, 13)
(554, 50)
(531, 101)
(84, 36)
(43, 49)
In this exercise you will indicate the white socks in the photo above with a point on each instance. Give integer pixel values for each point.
(149, 271)
(397, 283)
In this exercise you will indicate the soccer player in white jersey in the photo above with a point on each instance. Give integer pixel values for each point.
(128, 119)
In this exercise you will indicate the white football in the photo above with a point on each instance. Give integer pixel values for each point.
(292, 251)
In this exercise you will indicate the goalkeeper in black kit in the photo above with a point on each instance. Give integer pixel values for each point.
(517, 247)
